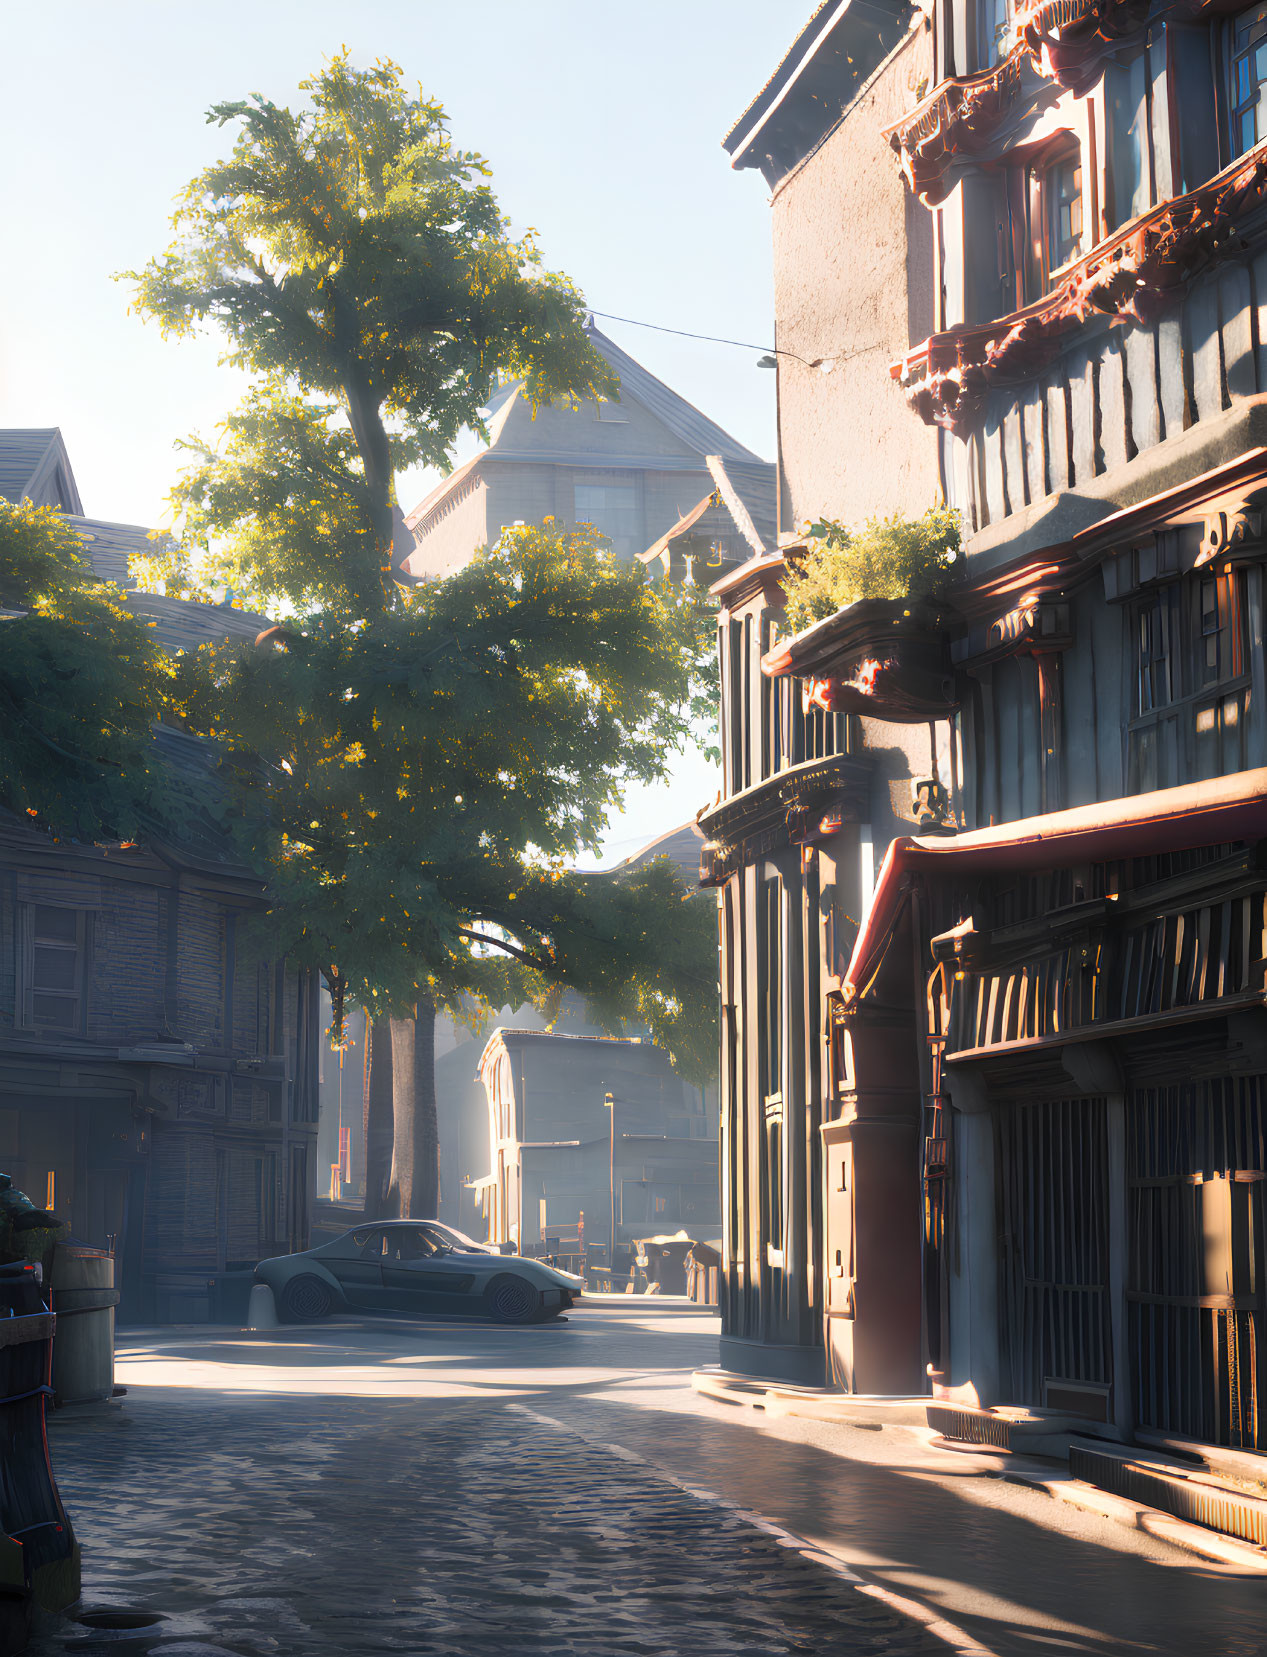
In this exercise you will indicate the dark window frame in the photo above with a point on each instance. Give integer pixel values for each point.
(1246, 79)
(41, 943)
(1027, 269)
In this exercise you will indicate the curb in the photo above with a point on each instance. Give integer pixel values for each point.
(873, 1414)
(1196, 1539)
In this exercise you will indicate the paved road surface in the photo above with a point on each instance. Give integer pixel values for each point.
(462, 1489)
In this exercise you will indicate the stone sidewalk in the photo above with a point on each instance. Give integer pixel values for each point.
(265, 1525)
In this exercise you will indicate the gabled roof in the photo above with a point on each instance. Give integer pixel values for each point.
(755, 489)
(34, 466)
(680, 845)
(699, 436)
(683, 419)
(741, 507)
(443, 490)
(816, 81)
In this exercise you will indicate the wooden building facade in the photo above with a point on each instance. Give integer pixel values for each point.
(159, 1067)
(1030, 1144)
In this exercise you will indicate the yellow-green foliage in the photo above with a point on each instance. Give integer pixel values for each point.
(81, 682)
(359, 264)
(893, 558)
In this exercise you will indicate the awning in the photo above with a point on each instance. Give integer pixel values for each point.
(1170, 819)
(482, 1184)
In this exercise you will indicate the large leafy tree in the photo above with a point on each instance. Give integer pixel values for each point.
(81, 682)
(432, 757)
(358, 264)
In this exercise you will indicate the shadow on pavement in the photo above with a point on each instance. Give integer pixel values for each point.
(1014, 1582)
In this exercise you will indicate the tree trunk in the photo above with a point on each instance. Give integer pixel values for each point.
(378, 1118)
(366, 420)
(414, 1190)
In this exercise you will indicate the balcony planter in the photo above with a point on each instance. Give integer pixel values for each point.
(881, 658)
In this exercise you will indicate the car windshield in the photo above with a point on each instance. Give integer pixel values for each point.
(459, 1239)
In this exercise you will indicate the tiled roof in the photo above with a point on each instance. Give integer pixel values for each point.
(741, 505)
(111, 547)
(34, 465)
(180, 624)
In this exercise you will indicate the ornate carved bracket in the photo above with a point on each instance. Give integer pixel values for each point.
(957, 119)
(791, 808)
(1134, 276)
(1063, 41)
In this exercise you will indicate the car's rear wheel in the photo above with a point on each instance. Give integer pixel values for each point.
(306, 1300)
(512, 1300)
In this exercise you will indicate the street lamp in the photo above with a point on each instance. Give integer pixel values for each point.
(609, 1103)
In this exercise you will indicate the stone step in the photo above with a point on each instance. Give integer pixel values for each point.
(1201, 1498)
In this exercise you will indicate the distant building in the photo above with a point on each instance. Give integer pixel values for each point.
(558, 1151)
(637, 468)
(158, 1067)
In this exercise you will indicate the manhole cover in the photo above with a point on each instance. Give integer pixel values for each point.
(112, 1617)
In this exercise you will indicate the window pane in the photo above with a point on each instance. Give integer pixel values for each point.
(60, 924)
(54, 968)
(1248, 135)
(613, 509)
(1242, 81)
(57, 1011)
(1260, 62)
(1063, 186)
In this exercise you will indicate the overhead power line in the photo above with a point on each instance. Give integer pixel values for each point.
(769, 352)
(685, 333)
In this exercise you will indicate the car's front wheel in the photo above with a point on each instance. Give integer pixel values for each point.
(512, 1300)
(306, 1300)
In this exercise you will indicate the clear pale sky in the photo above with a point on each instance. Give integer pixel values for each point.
(603, 126)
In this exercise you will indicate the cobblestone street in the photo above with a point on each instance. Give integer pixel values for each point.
(368, 1525)
(463, 1489)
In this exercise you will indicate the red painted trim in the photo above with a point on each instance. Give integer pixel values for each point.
(1196, 814)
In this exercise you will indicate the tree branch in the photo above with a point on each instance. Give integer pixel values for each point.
(511, 949)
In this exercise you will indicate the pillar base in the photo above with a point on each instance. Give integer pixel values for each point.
(805, 1365)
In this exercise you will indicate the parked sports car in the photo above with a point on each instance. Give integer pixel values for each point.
(410, 1266)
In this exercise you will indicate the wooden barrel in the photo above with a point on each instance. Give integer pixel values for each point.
(39, 1558)
(84, 1299)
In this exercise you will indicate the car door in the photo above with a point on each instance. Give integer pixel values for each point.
(358, 1266)
(420, 1274)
